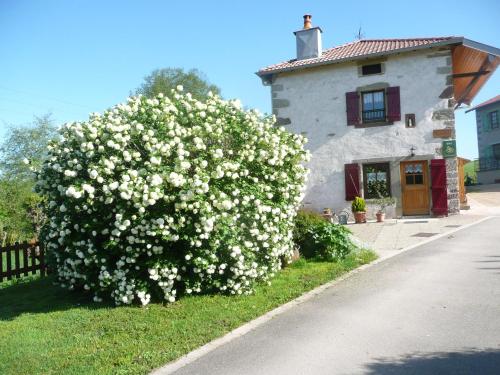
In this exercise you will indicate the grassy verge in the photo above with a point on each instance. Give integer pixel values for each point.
(47, 330)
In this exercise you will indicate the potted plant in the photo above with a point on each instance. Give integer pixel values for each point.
(358, 207)
(327, 213)
(383, 203)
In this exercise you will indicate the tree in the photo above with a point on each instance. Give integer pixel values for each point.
(164, 80)
(19, 211)
(27, 142)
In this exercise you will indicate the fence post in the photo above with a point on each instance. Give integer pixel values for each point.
(33, 258)
(1, 264)
(17, 264)
(26, 262)
(43, 266)
(9, 263)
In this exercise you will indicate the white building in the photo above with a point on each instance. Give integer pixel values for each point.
(377, 114)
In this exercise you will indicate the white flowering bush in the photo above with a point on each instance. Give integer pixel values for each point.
(161, 197)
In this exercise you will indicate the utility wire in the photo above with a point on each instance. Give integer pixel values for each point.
(33, 105)
(44, 97)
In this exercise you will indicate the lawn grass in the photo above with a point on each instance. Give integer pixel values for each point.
(47, 330)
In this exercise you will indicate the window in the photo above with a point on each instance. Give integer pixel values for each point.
(371, 69)
(414, 174)
(494, 119)
(410, 120)
(496, 151)
(376, 180)
(373, 106)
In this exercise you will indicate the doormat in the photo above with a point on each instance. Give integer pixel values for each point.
(453, 226)
(424, 234)
(416, 222)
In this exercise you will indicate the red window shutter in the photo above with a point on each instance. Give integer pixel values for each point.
(352, 107)
(438, 186)
(351, 181)
(393, 104)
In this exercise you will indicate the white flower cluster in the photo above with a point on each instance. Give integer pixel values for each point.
(161, 197)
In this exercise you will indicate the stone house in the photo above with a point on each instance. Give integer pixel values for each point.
(379, 116)
(488, 140)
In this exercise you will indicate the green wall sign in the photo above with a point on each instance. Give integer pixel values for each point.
(449, 149)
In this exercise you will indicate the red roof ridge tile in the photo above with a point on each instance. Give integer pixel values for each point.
(406, 39)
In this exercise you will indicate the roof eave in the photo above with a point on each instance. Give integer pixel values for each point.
(480, 106)
(481, 47)
(449, 42)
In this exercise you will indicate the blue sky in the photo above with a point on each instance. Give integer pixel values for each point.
(76, 57)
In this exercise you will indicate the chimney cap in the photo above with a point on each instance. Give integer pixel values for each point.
(307, 21)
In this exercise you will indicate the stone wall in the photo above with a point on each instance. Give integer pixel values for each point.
(452, 186)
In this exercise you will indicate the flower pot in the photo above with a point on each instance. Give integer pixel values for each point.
(360, 217)
(380, 216)
(327, 214)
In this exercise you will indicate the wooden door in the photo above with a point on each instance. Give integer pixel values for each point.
(415, 187)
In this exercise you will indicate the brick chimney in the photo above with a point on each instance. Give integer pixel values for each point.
(308, 40)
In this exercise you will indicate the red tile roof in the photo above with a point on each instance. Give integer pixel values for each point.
(357, 49)
(484, 104)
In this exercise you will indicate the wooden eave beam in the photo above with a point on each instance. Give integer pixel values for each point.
(471, 74)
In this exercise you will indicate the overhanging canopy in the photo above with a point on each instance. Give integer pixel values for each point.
(473, 65)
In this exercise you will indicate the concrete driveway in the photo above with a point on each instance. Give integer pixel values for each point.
(434, 309)
(483, 200)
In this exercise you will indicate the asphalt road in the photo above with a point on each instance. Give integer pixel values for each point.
(431, 310)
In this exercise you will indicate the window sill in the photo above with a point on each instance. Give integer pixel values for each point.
(372, 124)
(371, 74)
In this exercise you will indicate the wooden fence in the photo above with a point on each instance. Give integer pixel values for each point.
(21, 259)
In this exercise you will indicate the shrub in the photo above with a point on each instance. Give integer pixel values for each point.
(320, 239)
(332, 241)
(358, 205)
(161, 197)
(304, 221)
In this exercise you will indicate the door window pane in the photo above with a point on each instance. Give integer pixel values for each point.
(414, 173)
